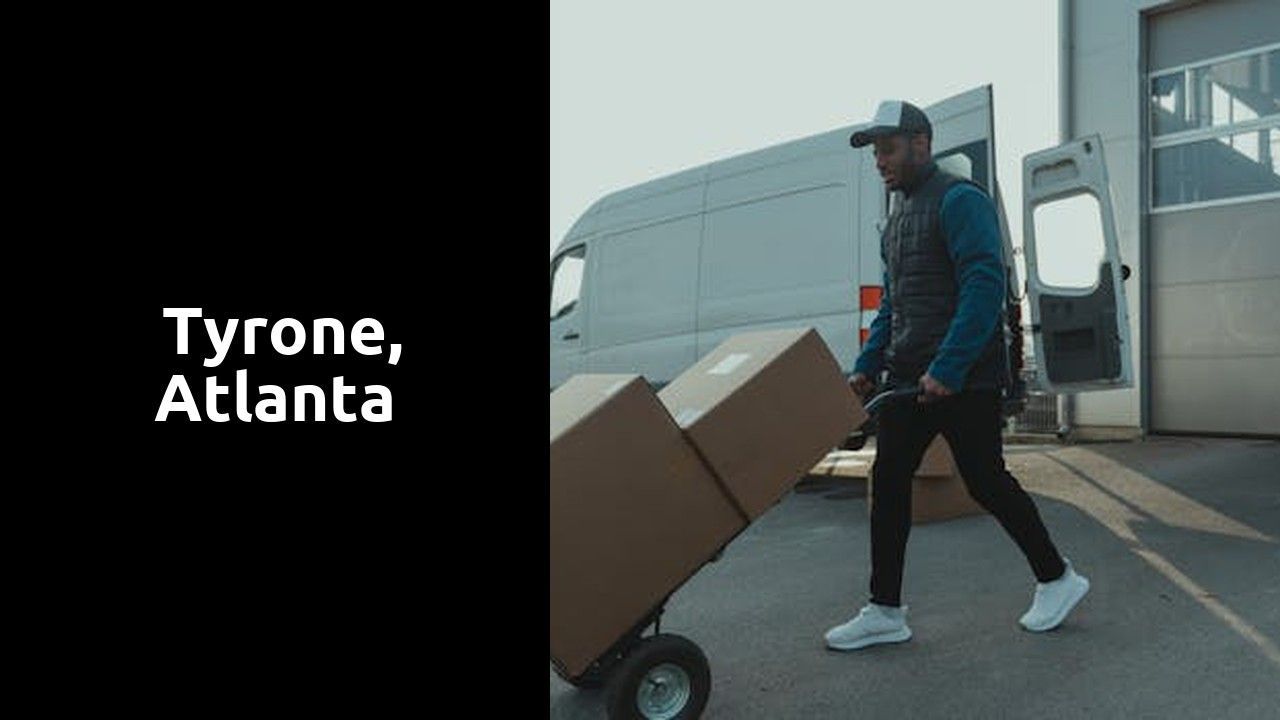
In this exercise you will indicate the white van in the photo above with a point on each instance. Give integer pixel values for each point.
(652, 277)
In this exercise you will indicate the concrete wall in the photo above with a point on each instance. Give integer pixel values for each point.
(1104, 94)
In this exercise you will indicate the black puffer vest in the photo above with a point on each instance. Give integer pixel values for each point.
(923, 287)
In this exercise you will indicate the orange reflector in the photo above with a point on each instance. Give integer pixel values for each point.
(862, 335)
(870, 297)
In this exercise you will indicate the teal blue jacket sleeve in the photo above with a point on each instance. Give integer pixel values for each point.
(973, 241)
(871, 359)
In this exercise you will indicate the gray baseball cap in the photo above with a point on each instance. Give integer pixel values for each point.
(893, 117)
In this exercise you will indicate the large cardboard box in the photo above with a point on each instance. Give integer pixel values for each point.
(938, 491)
(763, 408)
(634, 513)
(937, 461)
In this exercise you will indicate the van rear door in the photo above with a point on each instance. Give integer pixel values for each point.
(963, 144)
(963, 136)
(1079, 316)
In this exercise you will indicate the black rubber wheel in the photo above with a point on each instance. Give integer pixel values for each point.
(664, 677)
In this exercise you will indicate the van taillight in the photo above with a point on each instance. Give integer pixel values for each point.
(870, 296)
(862, 335)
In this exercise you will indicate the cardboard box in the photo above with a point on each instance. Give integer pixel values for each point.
(763, 408)
(634, 513)
(939, 495)
(937, 461)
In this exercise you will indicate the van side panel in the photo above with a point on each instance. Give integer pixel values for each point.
(779, 250)
(874, 201)
(645, 286)
(783, 236)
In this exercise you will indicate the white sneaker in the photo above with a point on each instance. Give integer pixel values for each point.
(873, 625)
(1054, 600)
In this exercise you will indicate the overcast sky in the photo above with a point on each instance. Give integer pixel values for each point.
(645, 89)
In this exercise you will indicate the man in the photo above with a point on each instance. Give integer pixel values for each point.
(940, 328)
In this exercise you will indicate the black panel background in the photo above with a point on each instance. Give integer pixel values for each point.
(307, 171)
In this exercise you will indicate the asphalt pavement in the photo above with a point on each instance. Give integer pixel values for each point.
(1179, 537)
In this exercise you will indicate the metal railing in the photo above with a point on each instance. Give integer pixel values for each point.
(1040, 415)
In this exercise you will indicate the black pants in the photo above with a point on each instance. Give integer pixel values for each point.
(970, 421)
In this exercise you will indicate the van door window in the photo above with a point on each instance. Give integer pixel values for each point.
(968, 161)
(1070, 244)
(566, 281)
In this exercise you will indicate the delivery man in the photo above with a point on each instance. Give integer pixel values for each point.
(940, 328)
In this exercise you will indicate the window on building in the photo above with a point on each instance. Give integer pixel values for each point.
(1215, 129)
(1218, 168)
(566, 281)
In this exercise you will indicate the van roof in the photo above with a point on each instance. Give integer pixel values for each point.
(825, 143)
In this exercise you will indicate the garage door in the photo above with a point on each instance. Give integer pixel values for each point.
(1214, 222)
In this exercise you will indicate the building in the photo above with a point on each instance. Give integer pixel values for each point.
(1186, 98)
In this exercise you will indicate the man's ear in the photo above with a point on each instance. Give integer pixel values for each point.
(921, 147)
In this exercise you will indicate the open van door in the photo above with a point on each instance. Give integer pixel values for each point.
(964, 145)
(1079, 316)
(963, 136)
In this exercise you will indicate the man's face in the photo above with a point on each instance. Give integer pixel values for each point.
(898, 157)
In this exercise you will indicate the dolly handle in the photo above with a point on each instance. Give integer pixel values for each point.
(889, 396)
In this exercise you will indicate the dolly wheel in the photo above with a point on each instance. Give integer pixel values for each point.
(665, 677)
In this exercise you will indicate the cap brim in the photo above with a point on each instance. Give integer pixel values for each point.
(868, 136)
